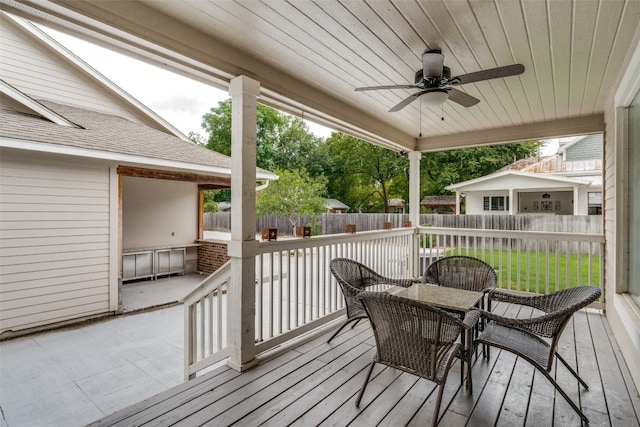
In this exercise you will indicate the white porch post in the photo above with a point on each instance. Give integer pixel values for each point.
(414, 206)
(512, 202)
(242, 248)
(414, 187)
(576, 200)
(457, 203)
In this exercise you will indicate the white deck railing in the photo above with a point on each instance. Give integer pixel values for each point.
(205, 322)
(295, 291)
(538, 262)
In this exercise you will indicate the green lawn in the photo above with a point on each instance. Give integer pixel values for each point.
(521, 271)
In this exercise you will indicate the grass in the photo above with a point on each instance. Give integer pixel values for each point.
(538, 273)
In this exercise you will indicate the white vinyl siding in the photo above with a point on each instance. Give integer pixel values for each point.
(36, 71)
(54, 241)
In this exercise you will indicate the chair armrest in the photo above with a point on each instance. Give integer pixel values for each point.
(517, 322)
(471, 318)
(510, 297)
(405, 283)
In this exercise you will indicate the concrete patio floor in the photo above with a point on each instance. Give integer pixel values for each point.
(75, 375)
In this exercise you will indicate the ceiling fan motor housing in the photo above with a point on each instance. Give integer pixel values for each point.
(432, 82)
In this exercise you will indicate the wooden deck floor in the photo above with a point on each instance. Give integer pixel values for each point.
(316, 384)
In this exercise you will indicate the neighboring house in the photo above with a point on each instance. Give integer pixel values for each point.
(335, 206)
(395, 206)
(94, 187)
(439, 204)
(567, 183)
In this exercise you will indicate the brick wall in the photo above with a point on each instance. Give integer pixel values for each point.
(211, 256)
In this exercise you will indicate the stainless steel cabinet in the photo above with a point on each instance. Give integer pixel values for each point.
(153, 263)
(170, 261)
(138, 265)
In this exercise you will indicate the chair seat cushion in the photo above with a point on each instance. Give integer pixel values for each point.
(519, 342)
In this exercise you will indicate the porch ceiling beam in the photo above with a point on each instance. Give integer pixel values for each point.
(551, 129)
(212, 182)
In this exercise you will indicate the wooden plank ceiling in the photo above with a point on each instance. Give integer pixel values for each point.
(310, 55)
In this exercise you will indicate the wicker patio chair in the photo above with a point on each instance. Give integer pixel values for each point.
(462, 272)
(353, 278)
(535, 339)
(414, 337)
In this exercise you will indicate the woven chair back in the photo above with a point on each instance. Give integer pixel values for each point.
(412, 336)
(462, 272)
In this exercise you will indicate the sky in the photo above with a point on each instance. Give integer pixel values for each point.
(177, 99)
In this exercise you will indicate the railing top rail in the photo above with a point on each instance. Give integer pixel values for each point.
(538, 235)
(209, 284)
(315, 241)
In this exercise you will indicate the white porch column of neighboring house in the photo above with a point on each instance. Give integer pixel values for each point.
(414, 187)
(576, 200)
(512, 202)
(243, 246)
(457, 203)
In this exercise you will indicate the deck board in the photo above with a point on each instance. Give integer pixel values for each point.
(316, 384)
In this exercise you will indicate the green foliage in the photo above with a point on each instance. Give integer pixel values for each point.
(293, 195)
(210, 204)
(282, 141)
(363, 175)
(444, 168)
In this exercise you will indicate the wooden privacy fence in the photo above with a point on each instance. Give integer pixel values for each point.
(335, 223)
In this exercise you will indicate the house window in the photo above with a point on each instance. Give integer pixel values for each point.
(594, 203)
(496, 203)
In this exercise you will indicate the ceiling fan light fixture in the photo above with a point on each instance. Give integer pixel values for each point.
(435, 98)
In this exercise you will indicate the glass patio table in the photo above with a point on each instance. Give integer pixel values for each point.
(458, 301)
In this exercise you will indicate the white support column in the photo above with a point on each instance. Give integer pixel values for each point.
(414, 187)
(512, 202)
(242, 248)
(576, 201)
(457, 203)
(414, 206)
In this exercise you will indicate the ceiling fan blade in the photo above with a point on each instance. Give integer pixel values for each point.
(492, 73)
(360, 89)
(407, 101)
(462, 98)
(432, 63)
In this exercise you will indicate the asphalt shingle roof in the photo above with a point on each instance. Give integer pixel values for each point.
(105, 132)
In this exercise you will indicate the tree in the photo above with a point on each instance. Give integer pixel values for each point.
(282, 141)
(210, 204)
(293, 195)
(363, 175)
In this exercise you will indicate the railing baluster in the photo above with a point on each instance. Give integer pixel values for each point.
(220, 331)
(271, 308)
(209, 325)
(567, 267)
(201, 313)
(547, 267)
(579, 276)
(260, 299)
(280, 295)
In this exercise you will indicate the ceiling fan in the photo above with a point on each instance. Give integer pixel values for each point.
(436, 84)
